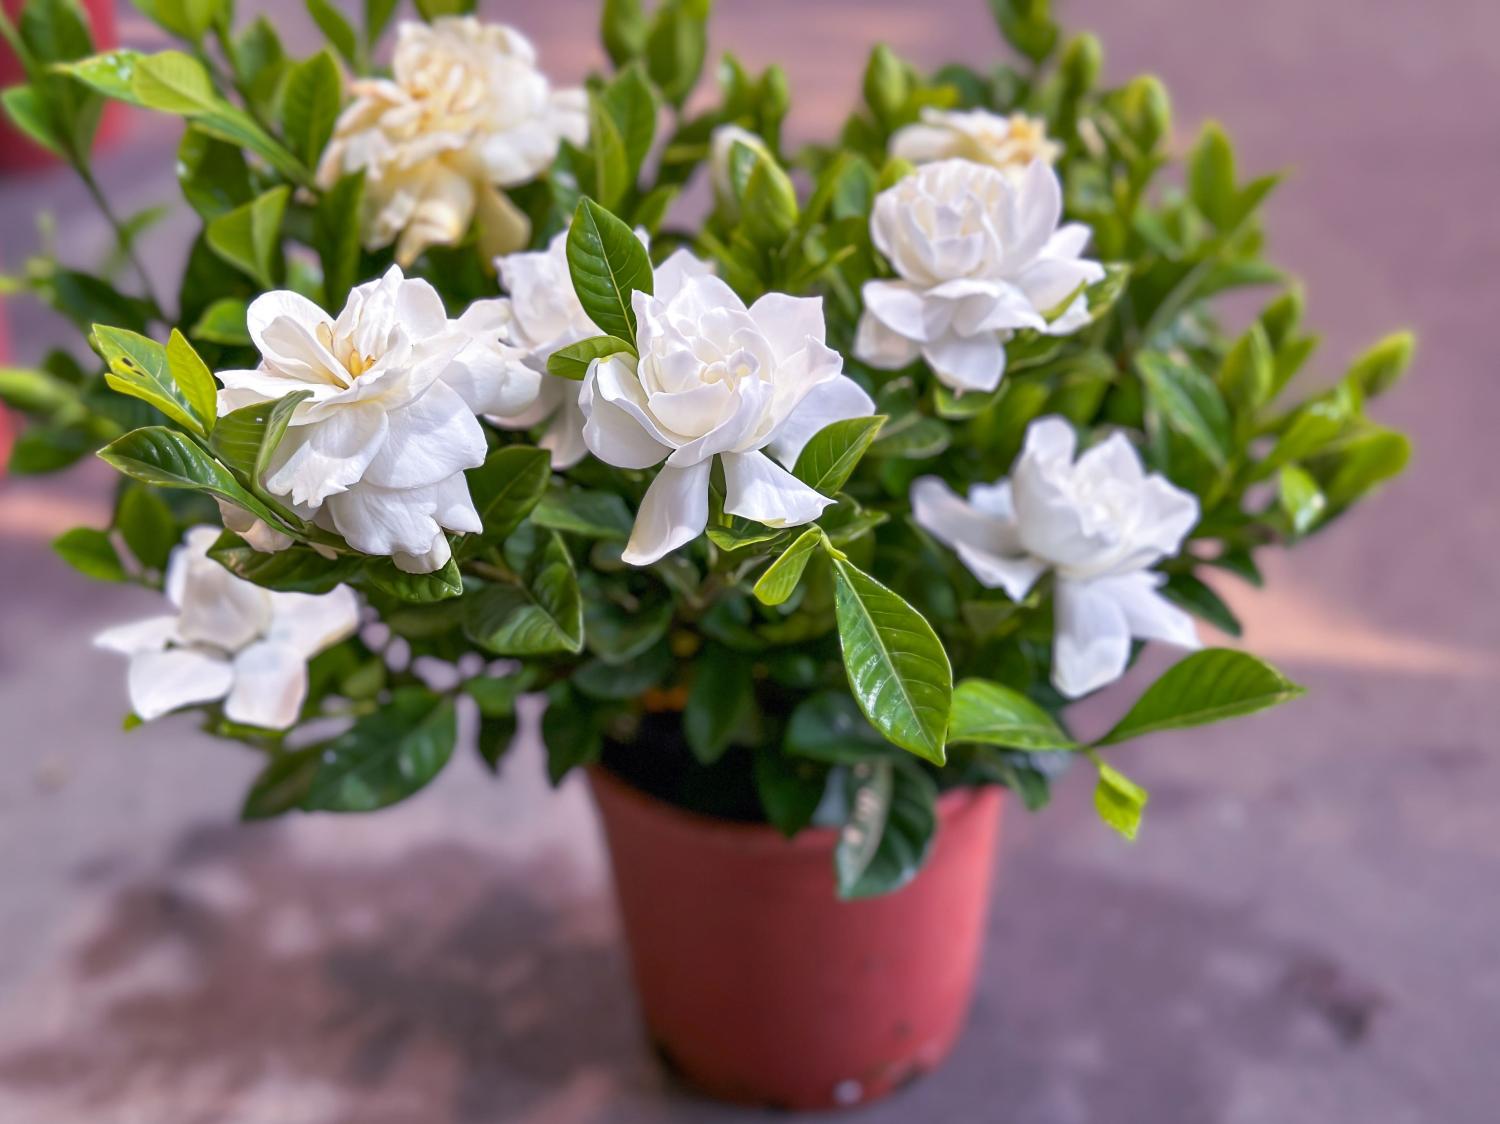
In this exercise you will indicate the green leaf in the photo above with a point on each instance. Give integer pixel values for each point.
(35, 392)
(569, 732)
(386, 756)
(1190, 403)
(338, 31)
(193, 379)
(986, 713)
(245, 438)
(611, 167)
(897, 668)
(1300, 498)
(249, 237)
(223, 322)
(632, 108)
(544, 616)
(1199, 598)
(282, 785)
(1211, 178)
(297, 569)
(828, 460)
(675, 47)
(188, 19)
(607, 263)
(790, 789)
(377, 15)
(434, 9)
(892, 821)
(90, 552)
(1119, 801)
(720, 702)
(336, 238)
(1207, 686)
(768, 203)
(581, 511)
(830, 727)
(439, 585)
(160, 456)
(1248, 373)
(146, 524)
(1314, 426)
(599, 679)
(111, 73)
(1358, 464)
(1379, 369)
(314, 94)
(29, 114)
(573, 361)
(139, 367)
(212, 173)
(781, 576)
(506, 488)
(622, 26)
(1027, 26)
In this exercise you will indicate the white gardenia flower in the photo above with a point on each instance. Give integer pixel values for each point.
(1098, 523)
(979, 255)
(228, 640)
(377, 453)
(716, 379)
(545, 316)
(466, 114)
(1007, 143)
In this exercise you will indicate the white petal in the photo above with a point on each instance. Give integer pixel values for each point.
(431, 560)
(789, 322)
(1091, 645)
(838, 399)
(899, 305)
(563, 437)
(673, 512)
(383, 521)
(919, 144)
(879, 347)
(986, 543)
(1049, 282)
(756, 487)
(280, 322)
(445, 207)
(611, 433)
(428, 441)
(1015, 574)
(670, 276)
(311, 622)
(150, 635)
(163, 681)
(220, 609)
(270, 683)
(321, 459)
(967, 363)
(1150, 615)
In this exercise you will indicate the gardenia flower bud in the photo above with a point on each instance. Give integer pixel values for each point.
(377, 453)
(228, 640)
(1010, 144)
(716, 379)
(545, 316)
(1098, 523)
(720, 146)
(466, 114)
(979, 255)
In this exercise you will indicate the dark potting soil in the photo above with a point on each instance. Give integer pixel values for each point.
(658, 762)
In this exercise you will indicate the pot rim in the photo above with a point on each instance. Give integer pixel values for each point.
(760, 835)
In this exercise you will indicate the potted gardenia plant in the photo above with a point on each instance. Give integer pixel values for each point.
(808, 519)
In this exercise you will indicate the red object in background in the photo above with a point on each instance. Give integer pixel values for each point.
(18, 151)
(759, 985)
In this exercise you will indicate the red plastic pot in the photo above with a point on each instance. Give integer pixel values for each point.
(759, 985)
(17, 151)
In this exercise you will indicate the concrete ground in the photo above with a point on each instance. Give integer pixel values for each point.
(1306, 932)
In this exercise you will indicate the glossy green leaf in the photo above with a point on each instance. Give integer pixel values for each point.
(90, 552)
(573, 361)
(1248, 372)
(1207, 686)
(193, 379)
(297, 569)
(676, 45)
(1119, 801)
(439, 585)
(340, 33)
(223, 322)
(587, 512)
(543, 616)
(139, 367)
(781, 577)
(246, 438)
(632, 107)
(891, 824)
(434, 9)
(622, 27)
(505, 489)
(160, 456)
(1359, 463)
(1198, 598)
(789, 789)
(386, 756)
(249, 237)
(146, 524)
(986, 713)
(830, 727)
(1211, 182)
(607, 263)
(337, 239)
(1381, 367)
(314, 94)
(1300, 498)
(828, 460)
(29, 114)
(1189, 402)
(720, 702)
(898, 671)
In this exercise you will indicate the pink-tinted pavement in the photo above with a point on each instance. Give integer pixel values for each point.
(1308, 931)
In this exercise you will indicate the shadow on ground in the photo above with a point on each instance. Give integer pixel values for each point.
(449, 986)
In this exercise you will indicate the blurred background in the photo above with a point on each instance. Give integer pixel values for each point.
(1308, 929)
